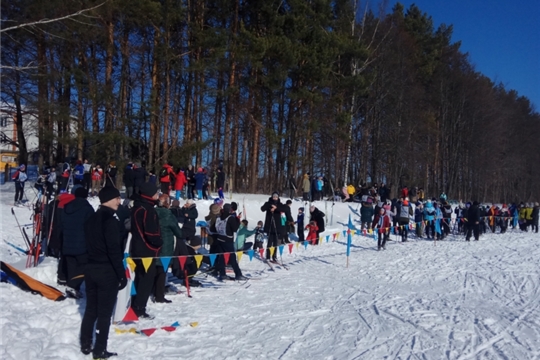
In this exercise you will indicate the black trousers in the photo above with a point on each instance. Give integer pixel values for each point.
(87, 181)
(300, 232)
(227, 247)
(144, 282)
(19, 190)
(381, 242)
(272, 241)
(430, 229)
(75, 270)
(473, 229)
(165, 187)
(159, 284)
(101, 292)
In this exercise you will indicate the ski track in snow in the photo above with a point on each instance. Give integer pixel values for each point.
(416, 300)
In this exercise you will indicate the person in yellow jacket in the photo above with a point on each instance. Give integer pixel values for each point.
(351, 191)
(528, 215)
(306, 188)
(522, 217)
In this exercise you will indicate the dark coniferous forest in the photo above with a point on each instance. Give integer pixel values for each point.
(271, 89)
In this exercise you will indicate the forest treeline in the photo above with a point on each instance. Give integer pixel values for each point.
(271, 89)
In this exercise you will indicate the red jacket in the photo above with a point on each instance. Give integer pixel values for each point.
(167, 178)
(385, 223)
(312, 234)
(180, 181)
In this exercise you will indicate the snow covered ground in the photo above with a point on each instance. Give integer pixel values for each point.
(416, 300)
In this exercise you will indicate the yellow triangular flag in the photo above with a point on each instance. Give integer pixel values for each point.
(198, 260)
(370, 231)
(337, 236)
(131, 264)
(352, 232)
(239, 255)
(297, 244)
(272, 249)
(146, 263)
(320, 240)
(193, 324)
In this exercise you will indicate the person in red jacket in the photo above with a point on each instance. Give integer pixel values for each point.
(179, 183)
(404, 192)
(382, 224)
(166, 177)
(312, 229)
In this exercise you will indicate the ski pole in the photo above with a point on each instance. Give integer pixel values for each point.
(21, 229)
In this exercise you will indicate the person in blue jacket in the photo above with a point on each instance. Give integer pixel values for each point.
(200, 177)
(429, 216)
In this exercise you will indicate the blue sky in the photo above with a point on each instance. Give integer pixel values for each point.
(501, 37)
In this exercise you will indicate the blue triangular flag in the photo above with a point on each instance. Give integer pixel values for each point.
(250, 253)
(165, 262)
(133, 291)
(305, 244)
(345, 232)
(327, 238)
(212, 259)
(175, 324)
(281, 249)
(375, 235)
(125, 263)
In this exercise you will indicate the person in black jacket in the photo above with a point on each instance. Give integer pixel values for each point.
(129, 180)
(273, 225)
(139, 177)
(473, 222)
(220, 183)
(226, 225)
(104, 273)
(145, 242)
(75, 214)
(190, 177)
(110, 174)
(317, 216)
(189, 215)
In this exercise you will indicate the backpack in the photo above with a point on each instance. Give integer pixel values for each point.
(221, 226)
(163, 172)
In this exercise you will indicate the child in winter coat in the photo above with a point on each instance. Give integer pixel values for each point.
(418, 219)
(312, 229)
(241, 236)
(300, 224)
(382, 224)
(259, 236)
(19, 178)
(366, 213)
(429, 218)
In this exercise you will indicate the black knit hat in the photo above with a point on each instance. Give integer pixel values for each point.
(148, 189)
(81, 193)
(108, 193)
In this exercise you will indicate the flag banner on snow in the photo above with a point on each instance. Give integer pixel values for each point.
(123, 299)
(27, 283)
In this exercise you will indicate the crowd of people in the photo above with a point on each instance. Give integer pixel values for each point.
(90, 244)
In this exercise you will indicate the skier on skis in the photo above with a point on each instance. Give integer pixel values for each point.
(19, 178)
(272, 224)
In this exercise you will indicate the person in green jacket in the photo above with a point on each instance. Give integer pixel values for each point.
(243, 233)
(169, 230)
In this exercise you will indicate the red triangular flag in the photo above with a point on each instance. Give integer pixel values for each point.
(130, 316)
(148, 332)
(226, 257)
(127, 274)
(169, 328)
(182, 260)
(261, 251)
(290, 248)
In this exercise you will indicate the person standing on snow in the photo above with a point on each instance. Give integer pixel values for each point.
(179, 184)
(473, 222)
(75, 214)
(273, 225)
(306, 188)
(381, 224)
(403, 213)
(104, 274)
(226, 225)
(166, 177)
(200, 178)
(19, 178)
(317, 216)
(429, 219)
(220, 182)
(145, 242)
